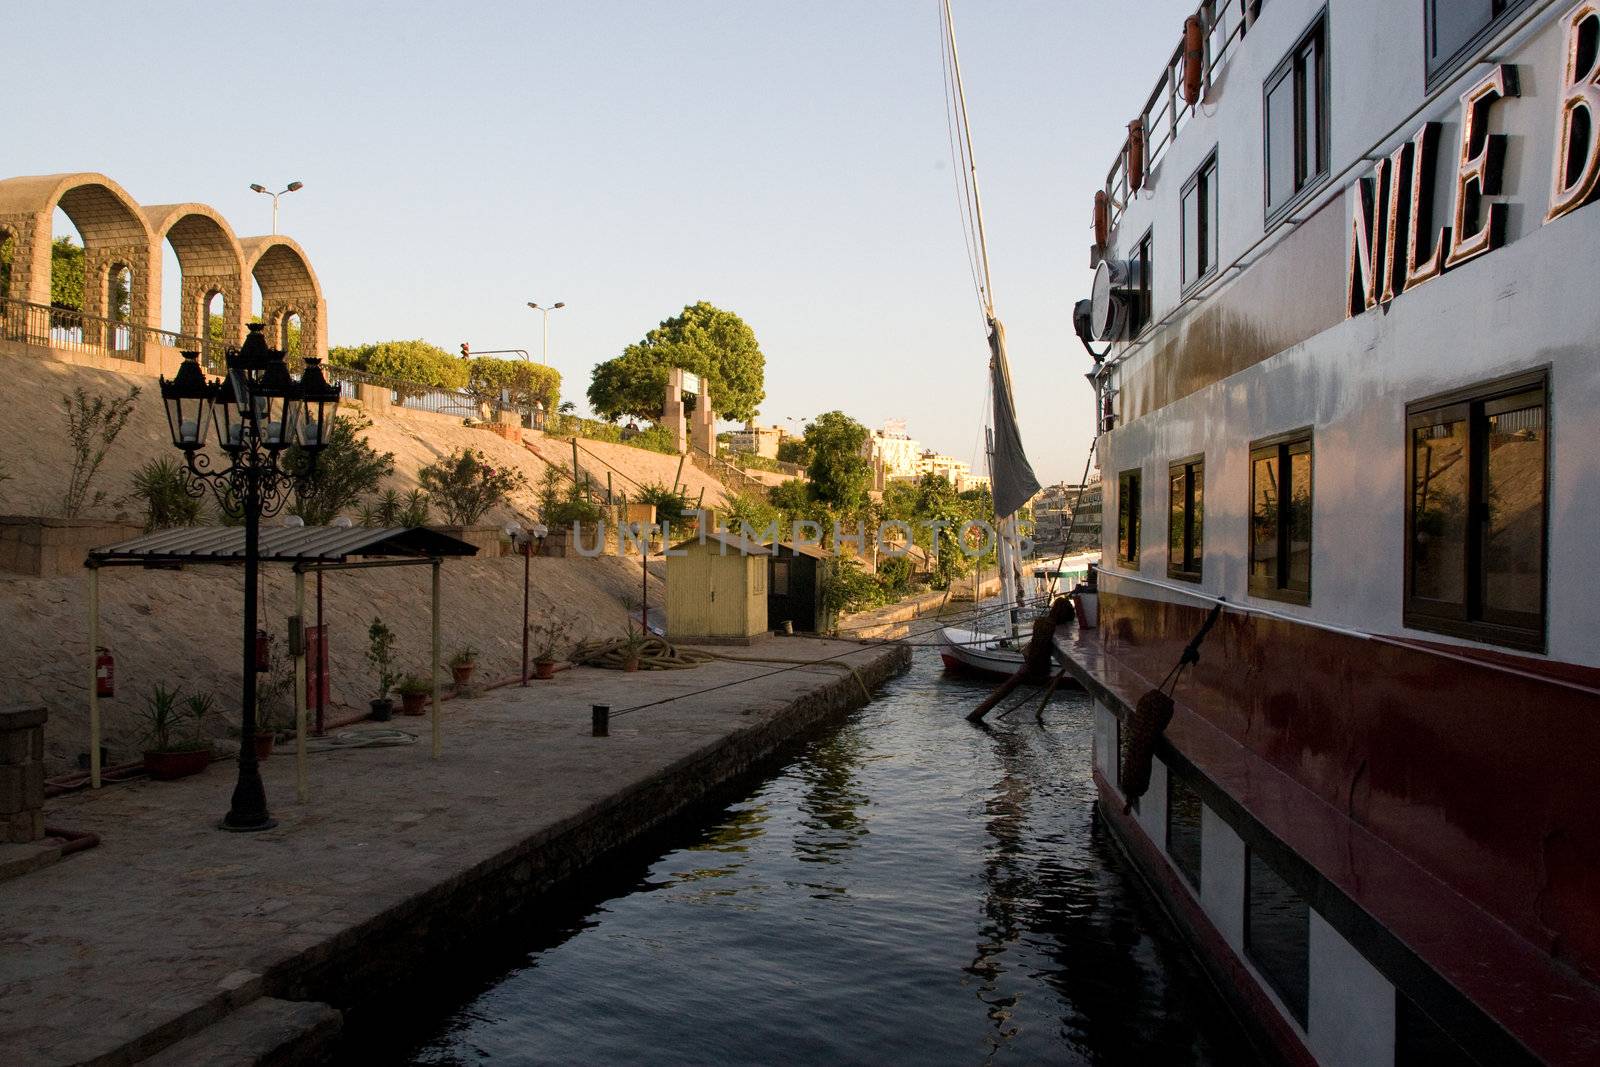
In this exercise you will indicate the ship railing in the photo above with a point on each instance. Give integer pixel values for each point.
(1165, 112)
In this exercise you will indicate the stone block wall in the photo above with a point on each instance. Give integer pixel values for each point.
(21, 773)
(46, 547)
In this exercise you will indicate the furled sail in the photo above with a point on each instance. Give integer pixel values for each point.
(1014, 480)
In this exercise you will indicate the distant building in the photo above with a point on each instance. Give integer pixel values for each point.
(894, 450)
(1053, 510)
(757, 440)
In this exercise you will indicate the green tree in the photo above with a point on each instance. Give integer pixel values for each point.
(717, 345)
(406, 363)
(838, 471)
(520, 381)
(794, 450)
(347, 469)
(66, 274)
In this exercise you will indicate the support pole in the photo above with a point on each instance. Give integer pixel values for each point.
(322, 659)
(301, 790)
(574, 461)
(527, 562)
(94, 679)
(436, 740)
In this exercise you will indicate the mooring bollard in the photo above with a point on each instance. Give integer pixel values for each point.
(602, 720)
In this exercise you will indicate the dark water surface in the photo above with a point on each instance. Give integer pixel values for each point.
(908, 889)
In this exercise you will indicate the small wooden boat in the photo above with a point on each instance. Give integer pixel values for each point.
(971, 651)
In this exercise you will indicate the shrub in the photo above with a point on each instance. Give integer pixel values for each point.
(847, 587)
(753, 514)
(347, 469)
(520, 382)
(92, 428)
(163, 485)
(655, 438)
(672, 505)
(391, 509)
(380, 653)
(465, 486)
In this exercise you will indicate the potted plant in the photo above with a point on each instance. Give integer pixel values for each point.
(633, 647)
(462, 663)
(175, 744)
(546, 640)
(380, 653)
(271, 688)
(414, 691)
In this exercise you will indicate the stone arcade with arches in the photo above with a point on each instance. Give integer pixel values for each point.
(119, 234)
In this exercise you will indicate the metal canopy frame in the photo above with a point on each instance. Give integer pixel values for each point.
(308, 549)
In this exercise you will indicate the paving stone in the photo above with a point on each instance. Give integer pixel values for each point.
(147, 933)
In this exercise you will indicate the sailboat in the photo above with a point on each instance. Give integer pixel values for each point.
(1011, 475)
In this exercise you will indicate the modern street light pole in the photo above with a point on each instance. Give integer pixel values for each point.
(259, 411)
(544, 352)
(293, 187)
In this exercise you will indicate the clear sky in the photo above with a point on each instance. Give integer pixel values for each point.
(787, 161)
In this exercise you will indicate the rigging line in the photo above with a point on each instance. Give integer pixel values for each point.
(966, 129)
(957, 165)
(964, 167)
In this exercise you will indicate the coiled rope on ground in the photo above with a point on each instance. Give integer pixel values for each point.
(653, 653)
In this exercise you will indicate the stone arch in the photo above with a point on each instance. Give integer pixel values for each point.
(210, 261)
(288, 287)
(113, 230)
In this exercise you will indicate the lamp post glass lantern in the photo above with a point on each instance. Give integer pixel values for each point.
(260, 411)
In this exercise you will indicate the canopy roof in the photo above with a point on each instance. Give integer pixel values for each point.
(281, 544)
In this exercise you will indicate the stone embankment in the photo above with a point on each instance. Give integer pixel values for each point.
(177, 941)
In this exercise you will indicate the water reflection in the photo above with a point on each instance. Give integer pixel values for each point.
(909, 890)
(831, 799)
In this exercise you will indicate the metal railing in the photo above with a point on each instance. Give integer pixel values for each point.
(73, 331)
(1164, 115)
(434, 398)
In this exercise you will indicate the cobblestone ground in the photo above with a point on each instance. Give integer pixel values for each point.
(170, 923)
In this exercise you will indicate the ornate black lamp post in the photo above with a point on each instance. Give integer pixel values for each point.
(259, 411)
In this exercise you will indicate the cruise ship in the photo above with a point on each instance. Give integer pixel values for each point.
(1345, 323)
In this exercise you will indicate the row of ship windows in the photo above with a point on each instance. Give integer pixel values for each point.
(1475, 515)
(1295, 138)
(1277, 927)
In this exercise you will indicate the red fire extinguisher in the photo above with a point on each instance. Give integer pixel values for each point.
(263, 651)
(105, 673)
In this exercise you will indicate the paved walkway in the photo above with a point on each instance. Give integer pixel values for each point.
(114, 953)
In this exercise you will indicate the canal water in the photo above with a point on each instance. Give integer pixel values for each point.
(906, 889)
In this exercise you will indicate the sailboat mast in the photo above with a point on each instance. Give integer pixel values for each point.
(971, 160)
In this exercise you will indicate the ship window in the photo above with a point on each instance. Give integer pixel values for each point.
(1186, 516)
(1183, 827)
(1455, 29)
(1139, 273)
(1128, 489)
(1297, 122)
(1280, 518)
(1277, 933)
(1200, 223)
(1475, 520)
(780, 577)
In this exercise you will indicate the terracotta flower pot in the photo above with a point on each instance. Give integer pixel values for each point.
(631, 663)
(263, 745)
(179, 764)
(413, 703)
(462, 673)
(381, 710)
(544, 670)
